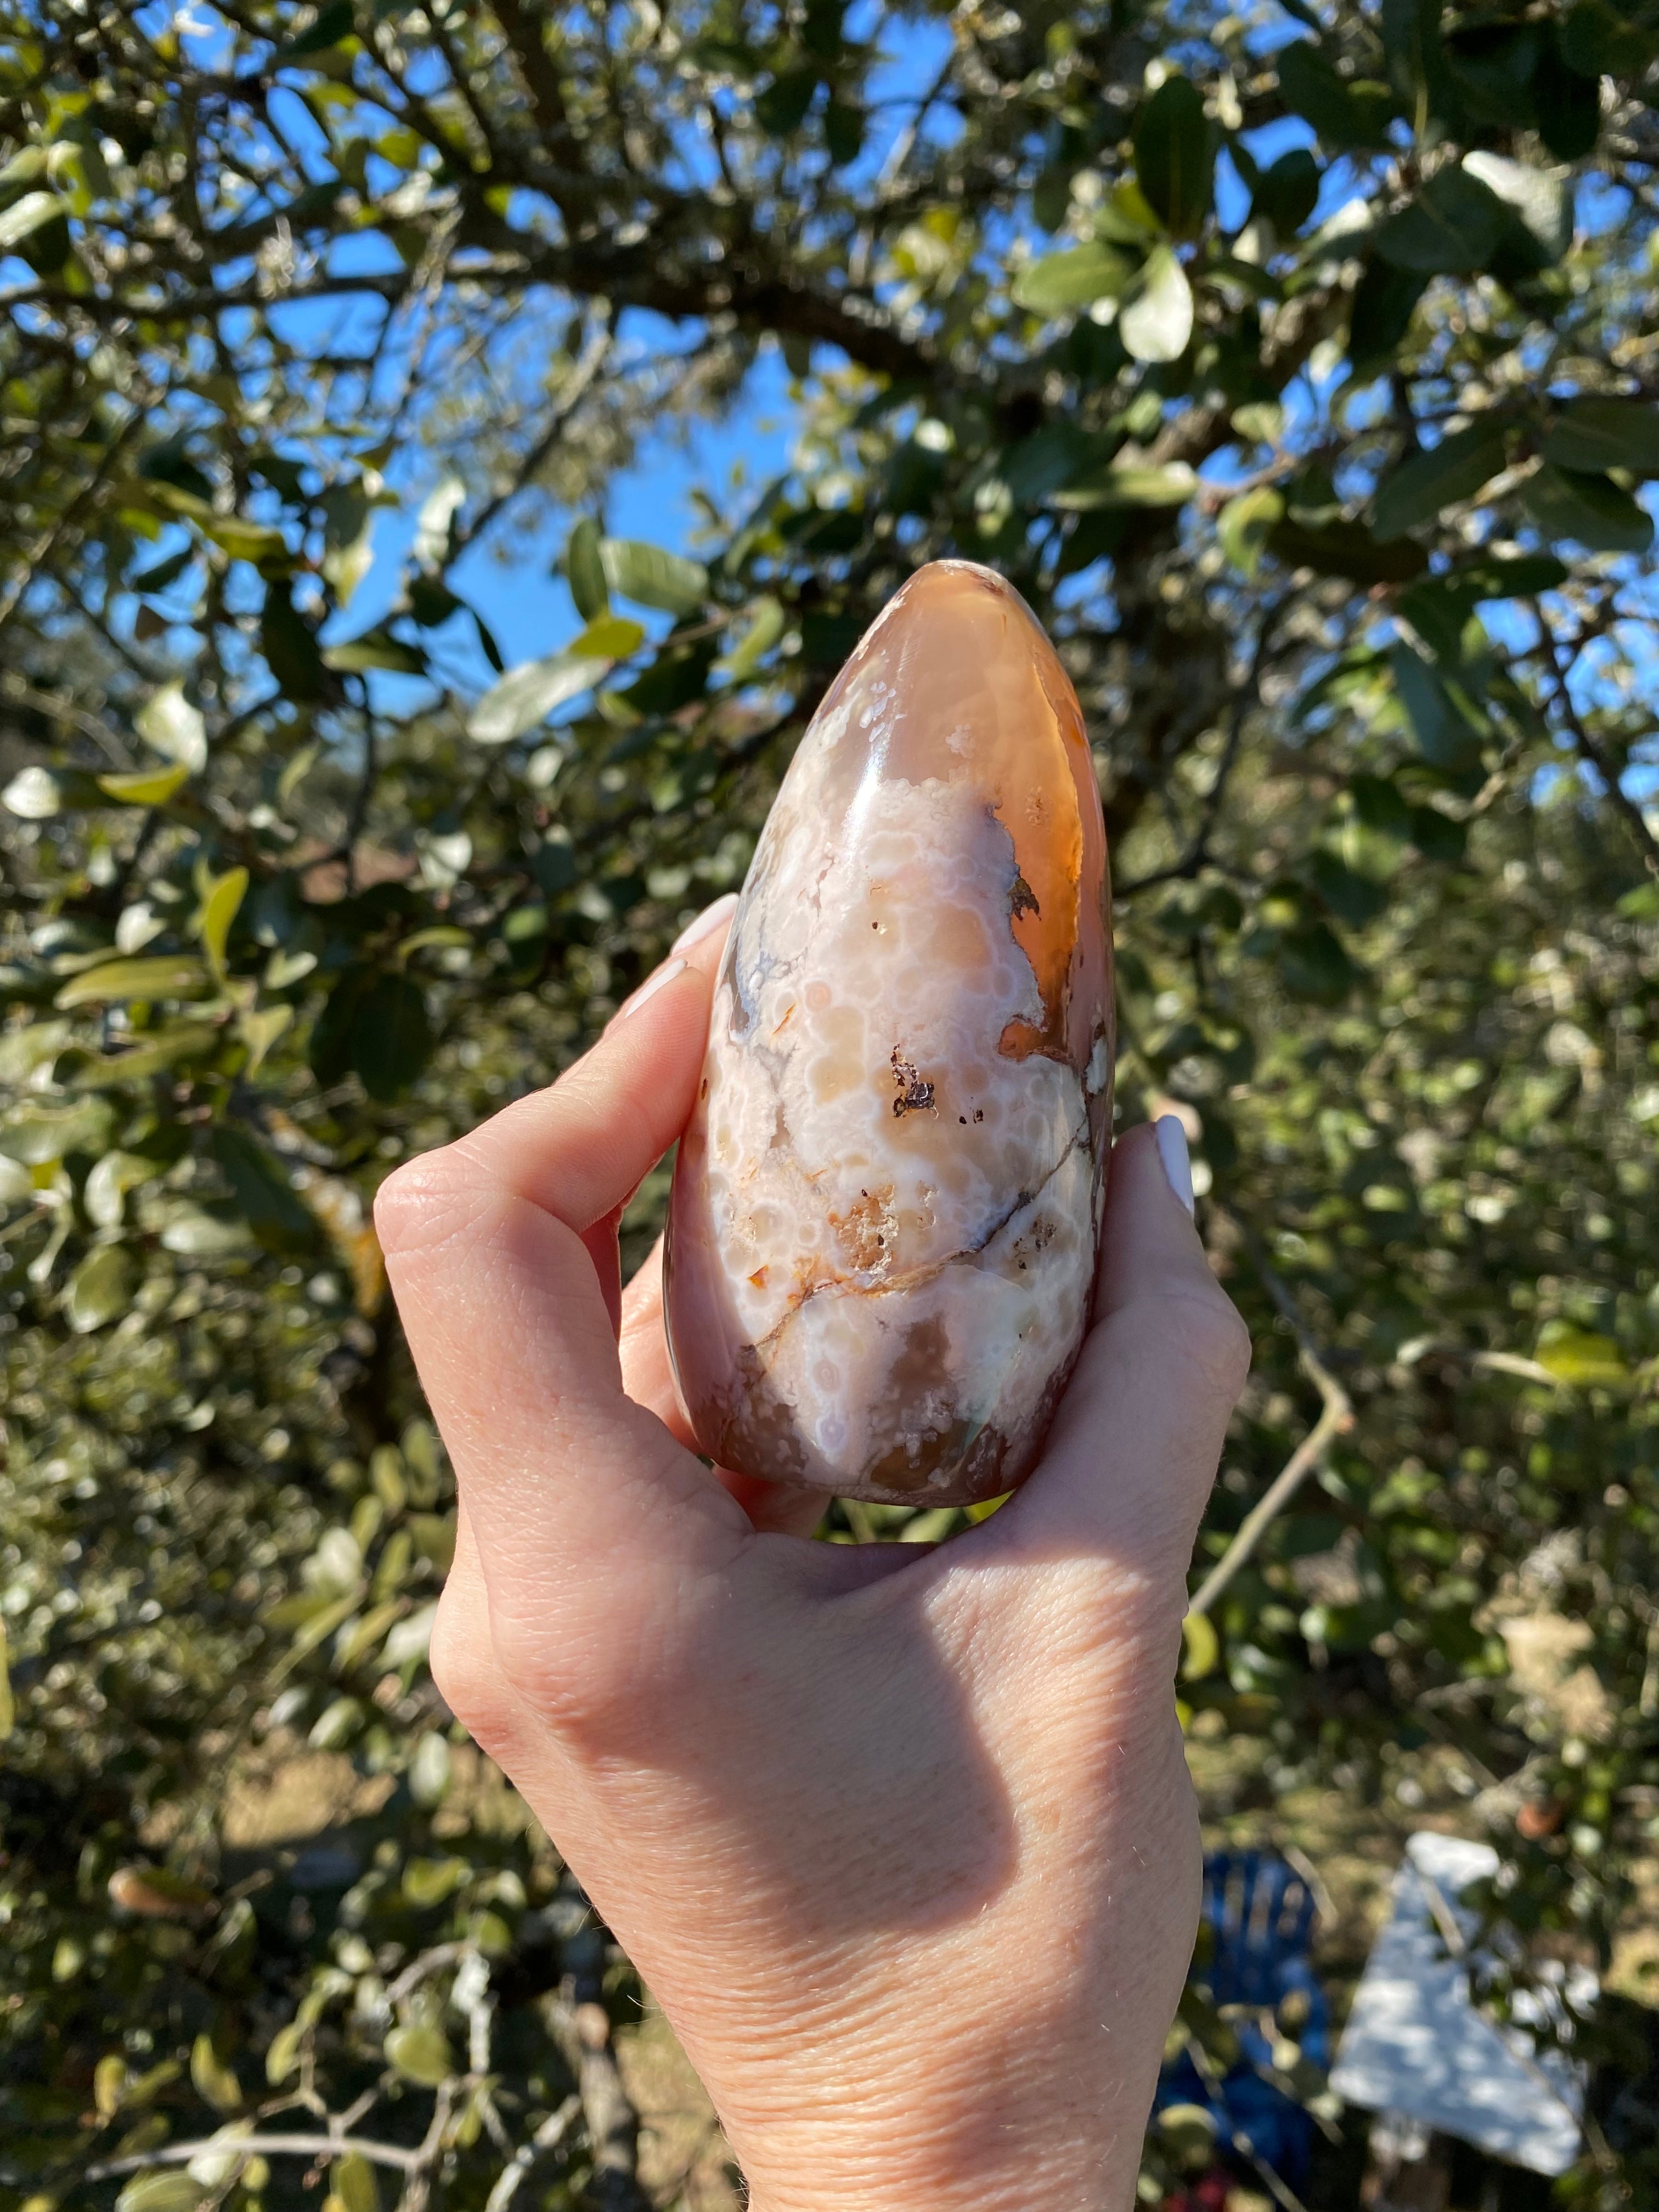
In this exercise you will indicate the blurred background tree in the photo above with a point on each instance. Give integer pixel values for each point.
(1297, 362)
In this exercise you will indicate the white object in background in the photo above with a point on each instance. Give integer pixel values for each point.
(1416, 2045)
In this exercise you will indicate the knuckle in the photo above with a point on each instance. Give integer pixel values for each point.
(1211, 1337)
(429, 1201)
(467, 1678)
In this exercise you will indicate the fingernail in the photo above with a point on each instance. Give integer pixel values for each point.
(1177, 1160)
(710, 918)
(650, 987)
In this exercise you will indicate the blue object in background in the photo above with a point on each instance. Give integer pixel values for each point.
(1261, 1913)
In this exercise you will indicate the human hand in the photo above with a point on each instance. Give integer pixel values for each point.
(903, 1839)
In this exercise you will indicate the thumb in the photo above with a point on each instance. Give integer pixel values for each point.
(1133, 1453)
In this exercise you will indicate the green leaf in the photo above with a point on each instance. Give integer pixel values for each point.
(375, 648)
(1157, 322)
(163, 572)
(584, 569)
(428, 1882)
(264, 1195)
(354, 2185)
(1073, 278)
(1174, 160)
(1451, 229)
(765, 628)
(158, 1050)
(611, 637)
(107, 1185)
(1579, 1355)
(259, 1029)
(1567, 105)
(283, 2053)
(429, 1769)
(244, 540)
(1442, 718)
(781, 108)
(1346, 548)
(528, 695)
(1243, 525)
(1541, 201)
(146, 787)
(289, 646)
(221, 902)
(1202, 1651)
(844, 127)
(171, 2190)
(1454, 469)
(392, 1039)
(435, 526)
(1315, 967)
(8, 1703)
(167, 722)
(1605, 433)
(26, 216)
(1591, 510)
(653, 578)
(34, 794)
(100, 1288)
(1349, 114)
(420, 2054)
(331, 24)
(115, 983)
(1288, 192)
(1170, 486)
(213, 2079)
(1598, 40)
(1384, 302)
(1492, 576)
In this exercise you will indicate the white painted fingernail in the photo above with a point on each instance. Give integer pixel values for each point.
(1177, 1160)
(708, 921)
(650, 987)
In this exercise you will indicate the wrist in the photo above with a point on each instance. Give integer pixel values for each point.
(980, 2120)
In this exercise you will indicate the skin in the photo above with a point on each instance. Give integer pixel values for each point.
(902, 1839)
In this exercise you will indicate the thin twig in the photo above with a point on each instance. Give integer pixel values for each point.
(1248, 695)
(1590, 749)
(277, 2146)
(551, 2133)
(580, 381)
(1335, 1419)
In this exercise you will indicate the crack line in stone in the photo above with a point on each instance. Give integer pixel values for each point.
(915, 1278)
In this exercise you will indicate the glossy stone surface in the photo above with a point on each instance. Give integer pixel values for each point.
(883, 1229)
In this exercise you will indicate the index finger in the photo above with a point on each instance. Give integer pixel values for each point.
(510, 1324)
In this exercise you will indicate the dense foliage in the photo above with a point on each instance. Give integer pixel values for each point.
(1298, 364)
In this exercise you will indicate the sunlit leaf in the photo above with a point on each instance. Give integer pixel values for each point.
(584, 569)
(652, 577)
(146, 787)
(1157, 324)
(1072, 278)
(27, 215)
(220, 905)
(421, 2054)
(158, 975)
(175, 728)
(528, 695)
(100, 1289)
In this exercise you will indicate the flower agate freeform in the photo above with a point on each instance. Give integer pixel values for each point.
(881, 1236)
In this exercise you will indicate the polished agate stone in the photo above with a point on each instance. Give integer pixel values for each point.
(882, 1236)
